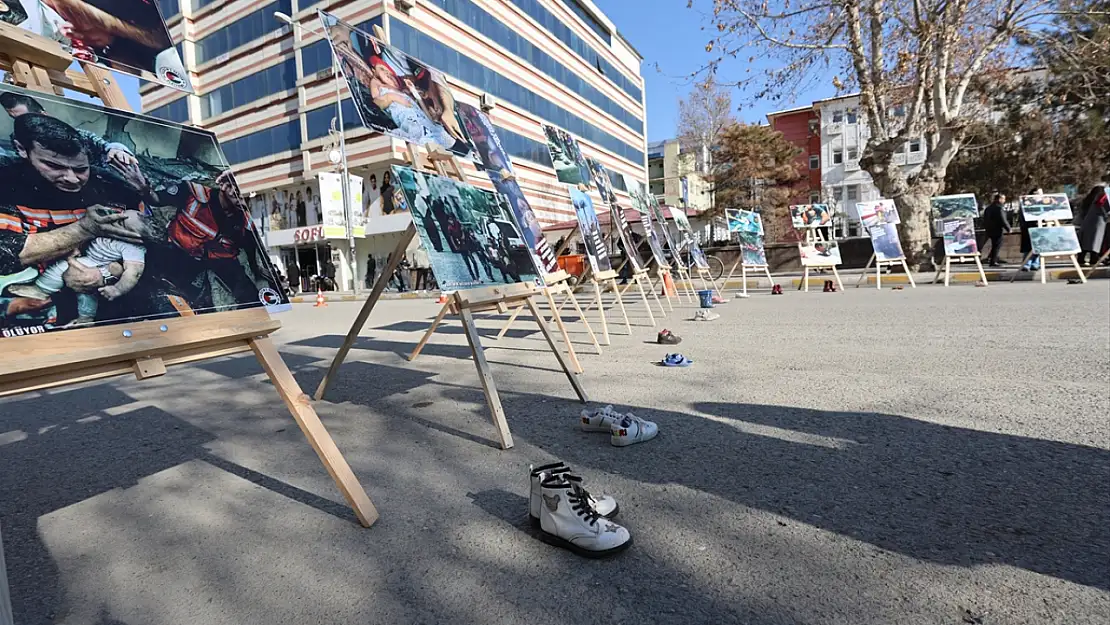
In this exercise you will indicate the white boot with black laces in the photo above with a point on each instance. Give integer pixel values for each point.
(605, 505)
(568, 520)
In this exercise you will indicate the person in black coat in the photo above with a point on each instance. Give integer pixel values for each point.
(995, 225)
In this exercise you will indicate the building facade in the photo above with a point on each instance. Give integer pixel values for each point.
(268, 92)
(673, 177)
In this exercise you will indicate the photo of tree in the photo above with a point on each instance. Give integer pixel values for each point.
(471, 236)
(570, 165)
(107, 216)
(810, 215)
(959, 237)
(1055, 241)
(962, 206)
(1045, 207)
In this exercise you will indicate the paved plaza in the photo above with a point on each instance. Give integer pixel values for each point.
(929, 456)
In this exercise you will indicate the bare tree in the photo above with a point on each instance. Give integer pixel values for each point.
(912, 61)
(703, 116)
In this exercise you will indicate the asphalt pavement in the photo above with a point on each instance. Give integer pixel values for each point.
(915, 456)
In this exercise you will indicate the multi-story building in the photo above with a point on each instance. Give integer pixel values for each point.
(268, 92)
(674, 179)
(802, 127)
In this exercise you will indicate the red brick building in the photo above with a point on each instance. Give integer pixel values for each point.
(802, 127)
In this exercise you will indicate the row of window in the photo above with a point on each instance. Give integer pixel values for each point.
(273, 79)
(280, 138)
(590, 20)
(464, 68)
(477, 18)
(242, 31)
(852, 154)
(898, 110)
(317, 55)
(318, 120)
(562, 32)
(169, 8)
(176, 111)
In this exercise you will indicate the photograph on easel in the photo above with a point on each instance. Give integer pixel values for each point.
(12, 12)
(638, 192)
(877, 213)
(499, 166)
(884, 239)
(810, 215)
(590, 230)
(820, 253)
(744, 221)
(567, 158)
(751, 248)
(471, 235)
(601, 180)
(653, 239)
(1050, 207)
(698, 256)
(961, 206)
(624, 231)
(394, 93)
(959, 237)
(657, 215)
(1054, 241)
(126, 36)
(107, 216)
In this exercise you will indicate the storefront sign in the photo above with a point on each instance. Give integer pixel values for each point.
(308, 235)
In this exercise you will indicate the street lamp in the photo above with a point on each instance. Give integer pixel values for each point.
(346, 182)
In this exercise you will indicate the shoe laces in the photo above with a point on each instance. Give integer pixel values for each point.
(581, 503)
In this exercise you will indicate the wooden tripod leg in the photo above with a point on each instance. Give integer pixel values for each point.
(651, 287)
(982, 274)
(509, 323)
(1078, 269)
(1044, 270)
(585, 321)
(839, 284)
(666, 295)
(1023, 261)
(620, 302)
(578, 390)
(772, 280)
(863, 274)
(805, 279)
(299, 405)
(909, 276)
(647, 306)
(364, 314)
(497, 412)
(601, 310)
(947, 271)
(562, 329)
(744, 278)
(430, 331)
(878, 275)
(1094, 265)
(738, 263)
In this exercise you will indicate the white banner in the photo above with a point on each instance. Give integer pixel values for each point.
(331, 205)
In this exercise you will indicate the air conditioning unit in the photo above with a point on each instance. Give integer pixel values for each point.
(851, 165)
(834, 128)
(404, 6)
(487, 102)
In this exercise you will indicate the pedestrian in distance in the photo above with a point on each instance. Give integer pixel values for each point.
(995, 225)
(1095, 210)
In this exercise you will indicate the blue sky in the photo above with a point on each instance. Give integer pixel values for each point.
(667, 34)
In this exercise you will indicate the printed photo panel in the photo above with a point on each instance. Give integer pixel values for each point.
(590, 230)
(570, 165)
(961, 206)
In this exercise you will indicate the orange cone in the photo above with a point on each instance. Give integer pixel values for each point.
(320, 299)
(668, 285)
(442, 298)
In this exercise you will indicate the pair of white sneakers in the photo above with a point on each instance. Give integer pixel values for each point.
(570, 517)
(624, 429)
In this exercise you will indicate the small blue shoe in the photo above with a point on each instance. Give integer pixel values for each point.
(676, 360)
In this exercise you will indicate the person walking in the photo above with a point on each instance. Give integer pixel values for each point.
(1034, 262)
(995, 225)
(295, 278)
(371, 270)
(1096, 211)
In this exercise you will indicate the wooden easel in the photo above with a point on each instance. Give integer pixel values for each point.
(879, 264)
(813, 236)
(744, 268)
(462, 303)
(959, 258)
(1098, 262)
(1054, 223)
(145, 348)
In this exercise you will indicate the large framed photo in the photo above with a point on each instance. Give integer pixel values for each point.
(499, 166)
(471, 235)
(744, 221)
(1048, 207)
(591, 231)
(570, 165)
(394, 93)
(1054, 241)
(810, 215)
(624, 231)
(961, 206)
(638, 192)
(657, 214)
(884, 238)
(877, 213)
(653, 239)
(959, 237)
(107, 216)
(600, 176)
(698, 256)
(751, 248)
(820, 253)
(127, 36)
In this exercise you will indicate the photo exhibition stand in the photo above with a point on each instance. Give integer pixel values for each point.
(1055, 223)
(1095, 265)
(959, 259)
(879, 264)
(814, 236)
(145, 348)
(744, 269)
(463, 303)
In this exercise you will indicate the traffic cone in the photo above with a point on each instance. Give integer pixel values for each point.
(442, 298)
(668, 286)
(320, 299)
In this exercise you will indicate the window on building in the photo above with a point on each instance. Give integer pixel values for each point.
(915, 145)
(899, 110)
(519, 146)
(851, 193)
(853, 154)
(838, 116)
(317, 55)
(814, 197)
(281, 138)
(837, 156)
(242, 31)
(617, 180)
(176, 111)
(814, 161)
(590, 20)
(450, 61)
(169, 8)
(318, 121)
(852, 117)
(274, 79)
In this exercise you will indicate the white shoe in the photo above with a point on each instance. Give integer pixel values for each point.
(569, 521)
(600, 420)
(632, 430)
(606, 506)
(704, 314)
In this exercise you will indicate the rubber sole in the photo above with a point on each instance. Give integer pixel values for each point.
(642, 440)
(555, 541)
